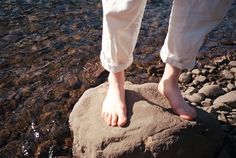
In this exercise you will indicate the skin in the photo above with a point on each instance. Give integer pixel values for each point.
(114, 107)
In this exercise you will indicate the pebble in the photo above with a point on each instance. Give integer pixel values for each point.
(212, 70)
(190, 90)
(204, 71)
(232, 63)
(228, 99)
(230, 86)
(195, 98)
(206, 102)
(233, 70)
(196, 71)
(227, 74)
(195, 82)
(185, 78)
(221, 107)
(221, 117)
(200, 78)
(72, 81)
(211, 91)
(220, 60)
(225, 89)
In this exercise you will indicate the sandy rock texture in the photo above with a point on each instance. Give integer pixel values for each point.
(152, 129)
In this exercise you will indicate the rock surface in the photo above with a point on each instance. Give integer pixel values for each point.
(152, 129)
(228, 98)
(211, 91)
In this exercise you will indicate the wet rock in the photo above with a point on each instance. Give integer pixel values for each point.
(211, 91)
(72, 81)
(185, 78)
(227, 74)
(141, 137)
(228, 99)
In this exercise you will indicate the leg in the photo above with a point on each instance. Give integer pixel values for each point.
(121, 24)
(190, 21)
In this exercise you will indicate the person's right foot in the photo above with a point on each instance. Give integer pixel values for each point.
(114, 107)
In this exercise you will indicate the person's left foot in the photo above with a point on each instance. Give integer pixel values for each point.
(177, 102)
(168, 87)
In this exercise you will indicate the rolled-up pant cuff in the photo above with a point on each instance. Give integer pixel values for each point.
(170, 60)
(114, 68)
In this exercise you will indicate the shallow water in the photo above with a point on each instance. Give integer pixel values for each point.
(49, 55)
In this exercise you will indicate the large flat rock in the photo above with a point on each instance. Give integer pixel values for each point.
(152, 129)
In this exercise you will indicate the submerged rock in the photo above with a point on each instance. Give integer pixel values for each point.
(152, 129)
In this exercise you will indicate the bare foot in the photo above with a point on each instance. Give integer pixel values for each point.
(168, 86)
(114, 107)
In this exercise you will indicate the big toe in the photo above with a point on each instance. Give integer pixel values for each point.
(122, 119)
(191, 114)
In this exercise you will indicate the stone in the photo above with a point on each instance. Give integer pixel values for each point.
(228, 99)
(200, 78)
(195, 82)
(221, 117)
(152, 129)
(196, 71)
(195, 98)
(185, 78)
(227, 74)
(209, 109)
(212, 70)
(190, 90)
(221, 107)
(204, 71)
(233, 69)
(231, 86)
(220, 61)
(206, 102)
(211, 91)
(232, 63)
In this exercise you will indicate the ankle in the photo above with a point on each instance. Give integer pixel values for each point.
(117, 78)
(171, 74)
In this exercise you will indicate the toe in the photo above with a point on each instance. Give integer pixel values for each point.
(114, 120)
(102, 114)
(109, 119)
(191, 115)
(122, 120)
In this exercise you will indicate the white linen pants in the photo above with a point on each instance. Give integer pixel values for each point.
(190, 21)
